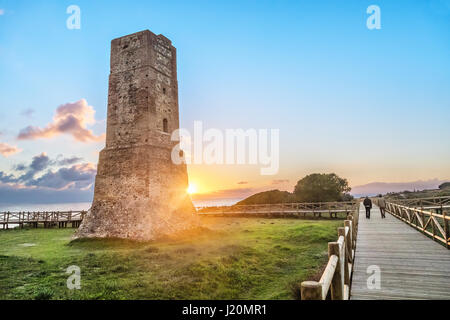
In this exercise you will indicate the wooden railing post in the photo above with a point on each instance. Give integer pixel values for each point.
(445, 227)
(432, 225)
(337, 285)
(423, 217)
(353, 229)
(311, 290)
(344, 261)
(349, 240)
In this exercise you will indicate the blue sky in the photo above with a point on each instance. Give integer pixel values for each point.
(370, 105)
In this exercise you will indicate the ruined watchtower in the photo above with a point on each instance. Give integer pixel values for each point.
(139, 192)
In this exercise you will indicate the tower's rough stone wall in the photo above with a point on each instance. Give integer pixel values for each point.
(139, 192)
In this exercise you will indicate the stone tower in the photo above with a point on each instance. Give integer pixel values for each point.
(139, 192)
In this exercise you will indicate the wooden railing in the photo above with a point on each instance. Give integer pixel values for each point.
(335, 282)
(424, 203)
(315, 209)
(429, 215)
(47, 218)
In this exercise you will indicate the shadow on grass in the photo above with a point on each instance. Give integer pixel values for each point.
(117, 243)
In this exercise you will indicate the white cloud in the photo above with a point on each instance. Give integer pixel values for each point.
(2, 12)
(7, 150)
(71, 119)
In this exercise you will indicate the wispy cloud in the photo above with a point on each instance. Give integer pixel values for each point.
(279, 181)
(60, 160)
(237, 193)
(2, 12)
(71, 119)
(27, 112)
(7, 150)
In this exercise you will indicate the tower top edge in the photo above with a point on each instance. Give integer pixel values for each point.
(142, 32)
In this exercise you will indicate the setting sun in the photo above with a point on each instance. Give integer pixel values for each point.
(192, 188)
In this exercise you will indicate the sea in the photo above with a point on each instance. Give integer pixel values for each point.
(79, 206)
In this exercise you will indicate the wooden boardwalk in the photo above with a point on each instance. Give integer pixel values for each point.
(412, 265)
(47, 218)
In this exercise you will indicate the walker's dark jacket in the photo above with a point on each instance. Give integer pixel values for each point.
(367, 203)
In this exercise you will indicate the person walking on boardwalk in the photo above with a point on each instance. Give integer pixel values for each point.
(382, 205)
(368, 205)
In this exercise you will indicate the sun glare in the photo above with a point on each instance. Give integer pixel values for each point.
(192, 188)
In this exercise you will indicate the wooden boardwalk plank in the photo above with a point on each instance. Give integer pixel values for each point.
(412, 265)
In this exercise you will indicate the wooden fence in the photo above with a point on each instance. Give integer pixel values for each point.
(48, 219)
(429, 215)
(335, 282)
(430, 203)
(283, 209)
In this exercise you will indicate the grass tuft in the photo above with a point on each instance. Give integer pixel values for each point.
(43, 294)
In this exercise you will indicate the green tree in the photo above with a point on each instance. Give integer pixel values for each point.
(444, 185)
(321, 187)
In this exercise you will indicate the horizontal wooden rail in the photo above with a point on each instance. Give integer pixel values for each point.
(282, 209)
(328, 274)
(48, 218)
(434, 224)
(336, 279)
(426, 203)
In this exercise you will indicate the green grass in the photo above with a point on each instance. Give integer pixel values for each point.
(228, 258)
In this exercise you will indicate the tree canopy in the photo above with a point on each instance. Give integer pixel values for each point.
(322, 187)
(317, 187)
(444, 185)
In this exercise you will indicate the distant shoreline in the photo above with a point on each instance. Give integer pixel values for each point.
(78, 206)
